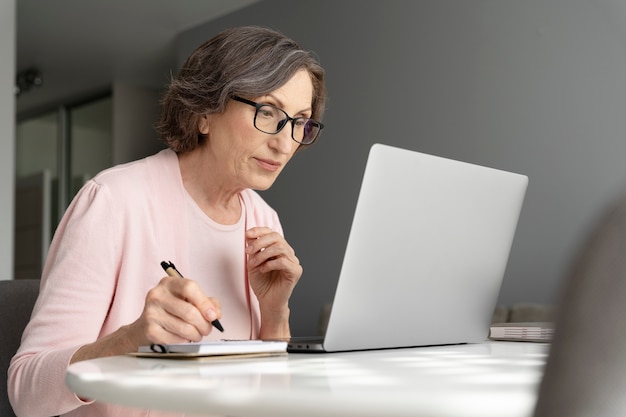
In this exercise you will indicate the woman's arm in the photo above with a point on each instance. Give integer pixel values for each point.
(71, 308)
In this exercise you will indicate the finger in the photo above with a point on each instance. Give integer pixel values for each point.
(267, 241)
(182, 330)
(277, 254)
(288, 265)
(167, 317)
(209, 308)
(156, 333)
(189, 304)
(260, 237)
(263, 254)
(255, 232)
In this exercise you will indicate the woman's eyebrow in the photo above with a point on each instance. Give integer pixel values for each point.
(280, 104)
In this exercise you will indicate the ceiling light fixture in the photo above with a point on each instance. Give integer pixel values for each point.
(27, 79)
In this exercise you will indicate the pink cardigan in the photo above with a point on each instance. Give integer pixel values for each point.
(104, 257)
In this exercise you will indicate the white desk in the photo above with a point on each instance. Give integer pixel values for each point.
(497, 379)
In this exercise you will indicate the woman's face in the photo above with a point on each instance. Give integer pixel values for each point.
(244, 157)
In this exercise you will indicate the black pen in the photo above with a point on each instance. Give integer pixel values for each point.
(171, 270)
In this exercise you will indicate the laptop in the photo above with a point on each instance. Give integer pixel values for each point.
(426, 254)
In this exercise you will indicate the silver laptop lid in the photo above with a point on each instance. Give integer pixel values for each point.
(426, 254)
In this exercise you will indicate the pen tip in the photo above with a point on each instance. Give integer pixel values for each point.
(218, 325)
(165, 265)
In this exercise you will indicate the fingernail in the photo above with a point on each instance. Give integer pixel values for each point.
(210, 314)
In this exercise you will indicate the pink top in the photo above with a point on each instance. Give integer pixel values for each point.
(104, 258)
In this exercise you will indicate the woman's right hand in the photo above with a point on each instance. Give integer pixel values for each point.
(175, 311)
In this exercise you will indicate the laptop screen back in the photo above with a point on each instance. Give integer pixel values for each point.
(426, 254)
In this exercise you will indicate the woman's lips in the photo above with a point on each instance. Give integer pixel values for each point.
(268, 164)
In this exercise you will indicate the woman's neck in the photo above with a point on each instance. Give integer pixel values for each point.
(215, 199)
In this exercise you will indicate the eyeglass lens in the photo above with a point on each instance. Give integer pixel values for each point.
(270, 119)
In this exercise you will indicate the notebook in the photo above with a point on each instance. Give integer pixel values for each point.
(213, 348)
(426, 254)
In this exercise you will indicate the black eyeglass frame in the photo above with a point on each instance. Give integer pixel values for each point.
(281, 123)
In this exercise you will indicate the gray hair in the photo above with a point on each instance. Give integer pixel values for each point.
(249, 61)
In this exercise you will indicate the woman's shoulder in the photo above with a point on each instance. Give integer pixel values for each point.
(128, 192)
(146, 175)
(135, 183)
(161, 162)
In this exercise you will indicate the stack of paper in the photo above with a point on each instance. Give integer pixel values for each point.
(527, 332)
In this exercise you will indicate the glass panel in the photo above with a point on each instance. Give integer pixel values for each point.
(36, 173)
(89, 129)
(36, 147)
(91, 135)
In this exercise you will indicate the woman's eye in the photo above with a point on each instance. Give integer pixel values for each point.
(267, 112)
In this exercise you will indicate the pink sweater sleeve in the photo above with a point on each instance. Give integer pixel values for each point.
(70, 287)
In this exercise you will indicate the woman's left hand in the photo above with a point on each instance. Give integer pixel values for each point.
(274, 271)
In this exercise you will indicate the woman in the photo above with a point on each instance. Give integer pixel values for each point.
(243, 103)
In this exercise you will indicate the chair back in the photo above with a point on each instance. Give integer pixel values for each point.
(585, 374)
(17, 298)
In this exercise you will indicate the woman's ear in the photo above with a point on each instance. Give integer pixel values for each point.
(203, 125)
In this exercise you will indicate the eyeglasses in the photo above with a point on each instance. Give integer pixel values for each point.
(271, 119)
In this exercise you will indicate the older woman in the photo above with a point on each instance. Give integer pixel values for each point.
(243, 103)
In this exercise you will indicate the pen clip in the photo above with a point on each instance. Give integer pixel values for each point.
(174, 268)
(170, 264)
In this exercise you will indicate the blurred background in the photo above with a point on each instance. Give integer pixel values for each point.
(536, 87)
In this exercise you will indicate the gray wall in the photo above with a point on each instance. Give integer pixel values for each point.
(534, 86)
(7, 135)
